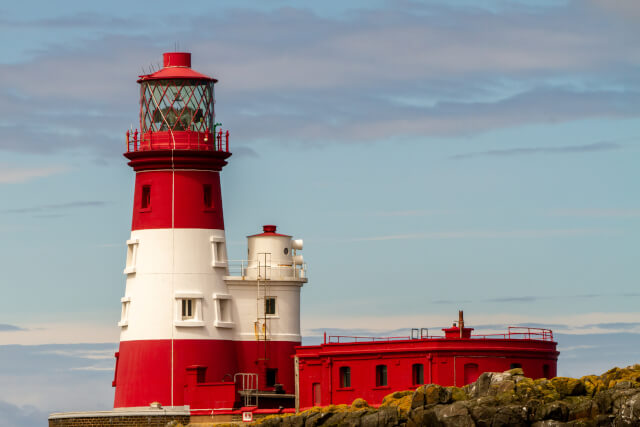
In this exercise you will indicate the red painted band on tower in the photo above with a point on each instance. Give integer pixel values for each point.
(144, 367)
(152, 200)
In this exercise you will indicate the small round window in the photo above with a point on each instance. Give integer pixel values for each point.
(286, 251)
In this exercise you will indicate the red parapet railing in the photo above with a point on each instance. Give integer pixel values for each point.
(338, 339)
(177, 140)
(513, 333)
(521, 333)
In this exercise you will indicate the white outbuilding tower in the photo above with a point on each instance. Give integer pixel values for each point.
(266, 294)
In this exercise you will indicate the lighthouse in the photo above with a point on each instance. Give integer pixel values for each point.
(197, 329)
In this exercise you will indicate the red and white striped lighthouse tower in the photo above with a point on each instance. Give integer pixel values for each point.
(191, 333)
(176, 259)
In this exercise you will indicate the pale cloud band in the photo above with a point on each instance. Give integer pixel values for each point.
(396, 71)
(13, 175)
(491, 234)
(583, 323)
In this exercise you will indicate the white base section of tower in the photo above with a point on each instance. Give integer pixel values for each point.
(173, 279)
(178, 288)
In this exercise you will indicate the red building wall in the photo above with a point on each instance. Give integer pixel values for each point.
(446, 362)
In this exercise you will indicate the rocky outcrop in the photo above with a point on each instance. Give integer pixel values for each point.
(495, 399)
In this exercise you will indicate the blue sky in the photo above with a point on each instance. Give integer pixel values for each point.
(434, 155)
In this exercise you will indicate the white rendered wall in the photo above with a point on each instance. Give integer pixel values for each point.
(171, 264)
(277, 263)
(249, 293)
(284, 326)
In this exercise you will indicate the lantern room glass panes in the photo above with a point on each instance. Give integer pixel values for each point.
(177, 105)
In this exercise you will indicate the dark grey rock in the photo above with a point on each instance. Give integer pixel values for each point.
(483, 414)
(512, 415)
(629, 413)
(454, 415)
(336, 419)
(317, 419)
(557, 411)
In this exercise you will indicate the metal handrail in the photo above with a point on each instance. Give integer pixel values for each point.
(240, 267)
(249, 384)
(335, 339)
(513, 332)
(164, 140)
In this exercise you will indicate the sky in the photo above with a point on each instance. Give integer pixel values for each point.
(434, 156)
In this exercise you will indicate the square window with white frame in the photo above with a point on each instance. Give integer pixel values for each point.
(189, 309)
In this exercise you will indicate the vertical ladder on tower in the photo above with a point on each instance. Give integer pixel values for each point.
(261, 324)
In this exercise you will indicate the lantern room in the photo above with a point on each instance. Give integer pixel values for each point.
(177, 109)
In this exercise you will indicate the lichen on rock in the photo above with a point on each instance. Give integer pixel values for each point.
(495, 399)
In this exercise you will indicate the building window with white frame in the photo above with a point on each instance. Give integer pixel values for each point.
(189, 309)
(270, 306)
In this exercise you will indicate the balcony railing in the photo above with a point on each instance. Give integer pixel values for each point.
(513, 333)
(256, 270)
(178, 140)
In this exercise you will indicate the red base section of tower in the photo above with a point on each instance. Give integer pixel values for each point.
(144, 373)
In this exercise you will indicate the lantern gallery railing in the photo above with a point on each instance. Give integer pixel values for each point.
(178, 140)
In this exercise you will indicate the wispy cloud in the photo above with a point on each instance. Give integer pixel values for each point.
(78, 20)
(93, 368)
(517, 299)
(534, 298)
(102, 354)
(12, 175)
(615, 325)
(63, 333)
(57, 207)
(490, 234)
(597, 213)
(573, 323)
(567, 149)
(4, 327)
(441, 74)
(21, 416)
(450, 301)
(417, 212)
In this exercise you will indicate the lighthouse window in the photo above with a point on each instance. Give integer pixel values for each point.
(223, 316)
(218, 252)
(124, 315)
(417, 374)
(132, 255)
(515, 365)
(168, 105)
(145, 200)
(187, 309)
(381, 375)
(270, 306)
(345, 377)
(208, 202)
